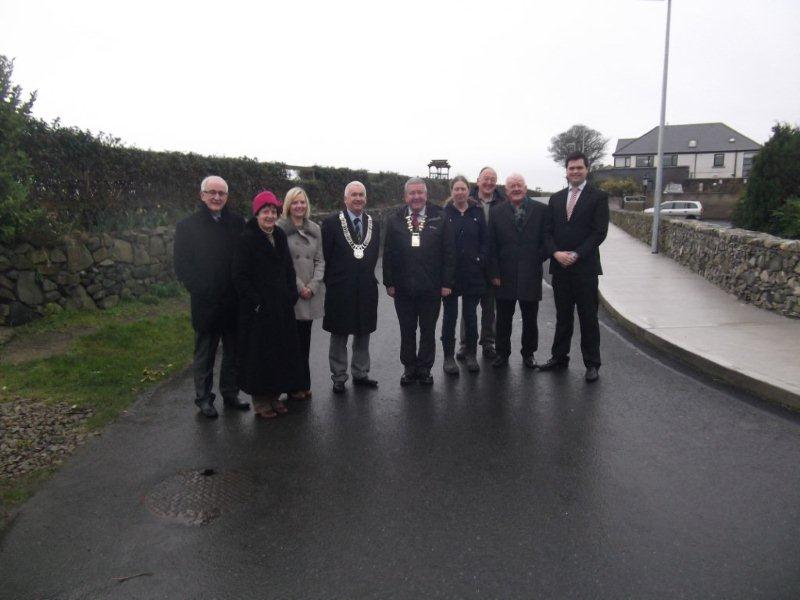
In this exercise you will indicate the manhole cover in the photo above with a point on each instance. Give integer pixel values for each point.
(198, 497)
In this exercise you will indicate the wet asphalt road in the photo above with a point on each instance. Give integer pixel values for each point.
(652, 483)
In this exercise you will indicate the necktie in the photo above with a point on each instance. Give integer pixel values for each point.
(573, 199)
(357, 227)
(415, 220)
(519, 217)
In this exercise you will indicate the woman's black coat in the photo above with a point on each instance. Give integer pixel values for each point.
(268, 351)
(472, 246)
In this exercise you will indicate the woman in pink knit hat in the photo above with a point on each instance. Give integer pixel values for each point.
(268, 354)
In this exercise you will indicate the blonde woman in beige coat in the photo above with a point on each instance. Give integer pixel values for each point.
(305, 246)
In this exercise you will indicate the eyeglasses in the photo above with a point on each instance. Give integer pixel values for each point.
(215, 193)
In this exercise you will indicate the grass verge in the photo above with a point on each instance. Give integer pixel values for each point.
(130, 348)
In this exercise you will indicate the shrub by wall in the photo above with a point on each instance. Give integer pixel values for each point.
(94, 183)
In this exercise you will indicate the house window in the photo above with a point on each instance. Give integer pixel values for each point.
(627, 161)
(644, 161)
(670, 160)
(747, 164)
(719, 160)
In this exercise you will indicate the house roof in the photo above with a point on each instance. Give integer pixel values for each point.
(707, 137)
(622, 142)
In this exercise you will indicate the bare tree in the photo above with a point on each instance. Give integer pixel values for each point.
(578, 138)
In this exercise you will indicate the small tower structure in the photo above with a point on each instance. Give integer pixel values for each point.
(439, 169)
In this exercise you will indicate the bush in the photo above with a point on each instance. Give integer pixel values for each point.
(787, 218)
(18, 216)
(620, 187)
(774, 179)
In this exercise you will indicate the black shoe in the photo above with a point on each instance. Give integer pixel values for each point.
(499, 361)
(489, 351)
(555, 364)
(236, 403)
(408, 377)
(530, 362)
(338, 387)
(425, 378)
(365, 382)
(591, 374)
(207, 409)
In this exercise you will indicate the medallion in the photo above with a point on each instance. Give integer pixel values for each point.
(358, 249)
(415, 231)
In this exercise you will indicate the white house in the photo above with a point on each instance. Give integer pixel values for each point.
(709, 150)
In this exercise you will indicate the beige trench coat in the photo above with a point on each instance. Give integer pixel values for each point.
(305, 246)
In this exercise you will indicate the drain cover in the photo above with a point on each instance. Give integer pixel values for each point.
(198, 497)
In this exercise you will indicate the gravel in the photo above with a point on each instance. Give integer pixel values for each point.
(35, 435)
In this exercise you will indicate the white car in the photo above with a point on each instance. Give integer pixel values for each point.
(680, 208)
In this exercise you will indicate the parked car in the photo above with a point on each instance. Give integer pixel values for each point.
(680, 208)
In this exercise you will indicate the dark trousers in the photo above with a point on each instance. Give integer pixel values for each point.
(205, 353)
(413, 312)
(304, 336)
(572, 290)
(530, 328)
(487, 321)
(469, 318)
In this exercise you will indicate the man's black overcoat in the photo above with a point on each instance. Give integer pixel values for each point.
(516, 257)
(351, 289)
(203, 253)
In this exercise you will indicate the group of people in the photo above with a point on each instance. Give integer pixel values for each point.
(257, 286)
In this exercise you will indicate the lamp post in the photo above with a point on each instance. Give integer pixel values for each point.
(660, 155)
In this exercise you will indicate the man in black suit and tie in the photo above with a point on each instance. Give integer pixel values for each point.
(516, 254)
(577, 225)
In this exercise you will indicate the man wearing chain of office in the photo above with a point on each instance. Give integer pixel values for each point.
(418, 271)
(351, 241)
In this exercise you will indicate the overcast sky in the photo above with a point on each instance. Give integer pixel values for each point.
(389, 86)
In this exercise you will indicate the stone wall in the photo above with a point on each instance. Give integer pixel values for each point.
(82, 271)
(89, 271)
(759, 268)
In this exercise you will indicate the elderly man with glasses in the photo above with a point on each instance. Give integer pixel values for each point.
(204, 243)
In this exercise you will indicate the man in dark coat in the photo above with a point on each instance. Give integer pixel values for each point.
(577, 225)
(203, 252)
(350, 244)
(418, 270)
(487, 195)
(516, 253)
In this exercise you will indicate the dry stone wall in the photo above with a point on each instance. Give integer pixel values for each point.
(761, 269)
(85, 271)
(89, 271)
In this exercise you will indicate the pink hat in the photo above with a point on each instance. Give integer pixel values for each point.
(264, 198)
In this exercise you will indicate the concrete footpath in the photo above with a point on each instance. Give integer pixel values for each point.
(679, 311)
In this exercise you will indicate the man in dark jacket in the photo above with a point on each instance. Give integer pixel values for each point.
(487, 195)
(577, 225)
(418, 270)
(351, 242)
(516, 253)
(204, 245)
